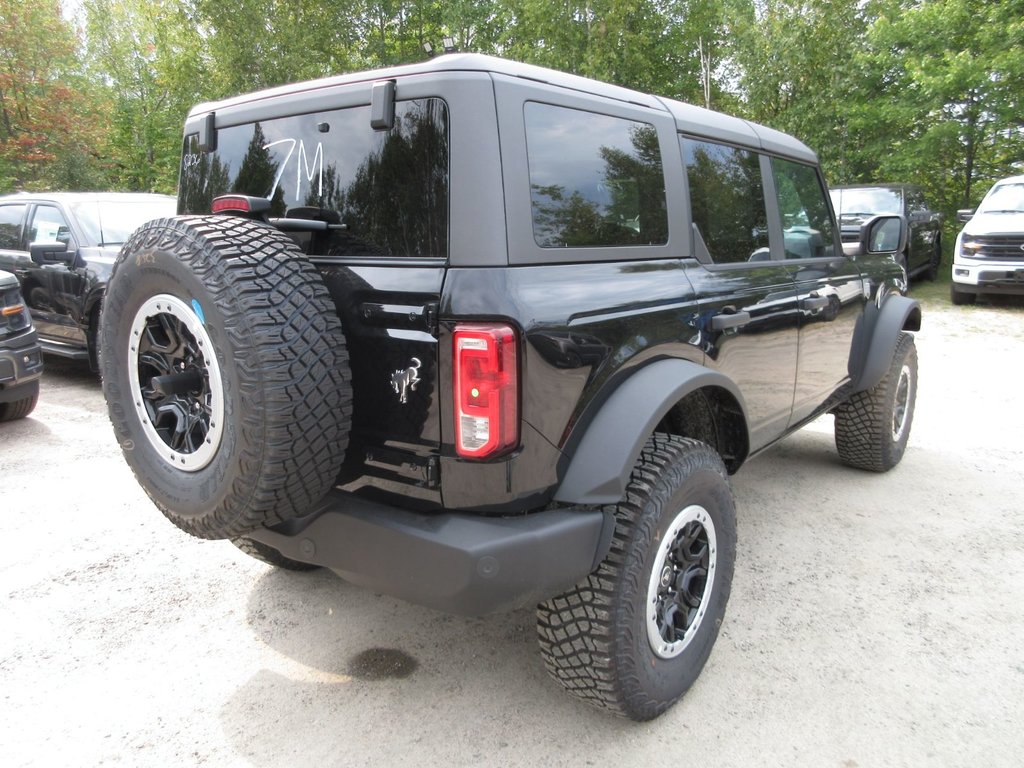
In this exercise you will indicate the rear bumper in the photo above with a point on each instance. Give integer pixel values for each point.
(454, 562)
(21, 365)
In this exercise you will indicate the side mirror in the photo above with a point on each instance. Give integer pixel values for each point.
(50, 253)
(964, 215)
(883, 234)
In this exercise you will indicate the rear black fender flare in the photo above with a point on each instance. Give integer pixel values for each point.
(877, 335)
(605, 456)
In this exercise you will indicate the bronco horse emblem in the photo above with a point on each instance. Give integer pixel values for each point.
(405, 379)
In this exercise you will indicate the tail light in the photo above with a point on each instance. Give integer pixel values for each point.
(486, 388)
(240, 204)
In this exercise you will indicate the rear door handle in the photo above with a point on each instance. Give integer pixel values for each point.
(815, 302)
(728, 320)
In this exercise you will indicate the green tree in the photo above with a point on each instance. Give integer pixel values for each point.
(47, 119)
(948, 80)
(794, 66)
(254, 44)
(148, 58)
(640, 44)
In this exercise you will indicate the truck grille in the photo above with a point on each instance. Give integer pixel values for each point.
(1002, 247)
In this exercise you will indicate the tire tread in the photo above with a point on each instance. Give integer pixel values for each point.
(294, 382)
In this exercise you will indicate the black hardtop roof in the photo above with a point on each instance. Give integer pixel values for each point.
(689, 119)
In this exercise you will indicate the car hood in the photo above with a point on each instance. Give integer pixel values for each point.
(995, 224)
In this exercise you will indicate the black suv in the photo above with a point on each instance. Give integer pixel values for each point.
(62, 246)
(920, 250)
(21, 361)
(482, 335)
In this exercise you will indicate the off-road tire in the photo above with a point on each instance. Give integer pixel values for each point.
(959, 298)
(271, 556)
(18, 409)
(594, 638)
(278, 352)
(872, 427)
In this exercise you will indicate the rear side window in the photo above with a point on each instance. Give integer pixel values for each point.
(389, 188)
(595, 180)
(807, 229)
(10, 226)
(727, 201)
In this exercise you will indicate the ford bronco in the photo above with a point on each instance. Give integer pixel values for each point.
(483, 335)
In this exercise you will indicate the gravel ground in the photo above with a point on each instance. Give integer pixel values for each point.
(875, 620)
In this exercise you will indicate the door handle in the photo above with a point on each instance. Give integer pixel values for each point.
(815, 302)
(726, 320)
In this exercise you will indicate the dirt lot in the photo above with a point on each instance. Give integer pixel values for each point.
(874, 620)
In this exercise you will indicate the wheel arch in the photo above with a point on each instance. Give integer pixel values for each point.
(877, 334)
(675, 396)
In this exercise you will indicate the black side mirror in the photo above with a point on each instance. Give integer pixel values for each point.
(50, 253)
(964, 215)
(883, 234)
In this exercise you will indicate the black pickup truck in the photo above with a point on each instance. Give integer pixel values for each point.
(482, 335)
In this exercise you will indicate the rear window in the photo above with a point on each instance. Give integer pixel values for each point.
(595, 180)
(389, 188)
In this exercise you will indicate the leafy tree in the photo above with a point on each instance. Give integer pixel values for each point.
(950, 77)
(793, 62)
(149, 59)
(47, 118)
(636, 43)
(256, 44)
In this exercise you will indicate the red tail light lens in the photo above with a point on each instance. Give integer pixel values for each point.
(486, 388)
(235, 204)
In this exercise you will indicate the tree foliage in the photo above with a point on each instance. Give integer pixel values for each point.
(930, 91)
(48, 120)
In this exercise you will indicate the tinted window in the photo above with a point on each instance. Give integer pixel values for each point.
(389, 188)
(806, 222)
(727, 201)
(595, 180)
(49, 226)
(10, 226)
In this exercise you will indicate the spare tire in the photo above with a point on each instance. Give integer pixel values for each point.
(225, 373)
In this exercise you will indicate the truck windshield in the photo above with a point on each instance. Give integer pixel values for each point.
(868, 200)
(1005, 198)
(111, 222)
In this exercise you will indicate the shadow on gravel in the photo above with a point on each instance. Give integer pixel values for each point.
(62, 371)
(346, 662)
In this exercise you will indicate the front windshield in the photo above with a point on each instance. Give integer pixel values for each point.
(1005, 198)
(111, 222)
(866, 201)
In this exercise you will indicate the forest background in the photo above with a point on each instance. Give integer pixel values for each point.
(93, 93)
